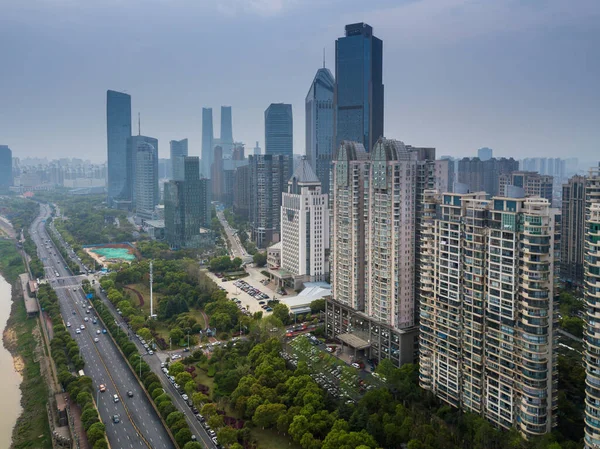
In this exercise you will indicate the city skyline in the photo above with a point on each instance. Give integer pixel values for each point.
(491, 92)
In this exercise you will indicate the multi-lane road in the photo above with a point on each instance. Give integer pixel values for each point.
(139, 426)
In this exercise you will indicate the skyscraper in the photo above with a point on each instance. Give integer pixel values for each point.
(179, 149)
(146, 180)
(484, 176)
(6, 177)
(487, 307)
(134, 143)
(485, 154)
(279, 132)
(242, 191)
(592, 301)
(118, 130)
(573, 231)
(216, 176)
(226, 137)
(358, 97)
(304, 227)
(207, 142)
(269, 175)
(319, 125)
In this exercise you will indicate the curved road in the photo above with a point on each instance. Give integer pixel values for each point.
(139, 426)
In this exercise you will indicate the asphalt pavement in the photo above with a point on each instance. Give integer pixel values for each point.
(139, 426)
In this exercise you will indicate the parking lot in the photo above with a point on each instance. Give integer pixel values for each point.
(340, 380)
(246, 300)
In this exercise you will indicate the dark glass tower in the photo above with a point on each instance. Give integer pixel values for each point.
(6, 178)
(358, 96)
(118, 130)
(207, 142)
(279, 135)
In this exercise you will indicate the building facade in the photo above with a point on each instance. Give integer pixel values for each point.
(484, 175)
(573, 228)
(487, 321)
(358, 95)
(279, 130)
(134, 144)
(216, 176)
(304, 227)
(319, 125)
(268, 179)
(207, 142)
(6, 175)
(226, 136)
(532, 183)
(485, 153)
(179, 149)
(242, 191)
(592, 302)
(146, 180)
(118, 130)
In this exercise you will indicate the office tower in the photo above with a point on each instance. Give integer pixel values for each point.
(487, 311)
(483, 176)
(592, 301)
(118, 130)
(256, 150)
(304, 227)
(179, 149)
(217, 174)
(230, 167)
(6, 176)
(532, 183)
(226, 137)
(238, 152)
(146, 180)
(185, 212)
(319, 125)
(269, 175)
(279, 130)
(573, 230)
(207, 142)
(358, 97)
(134, 143)
(164, 168)
(241, 191)
(485, 154)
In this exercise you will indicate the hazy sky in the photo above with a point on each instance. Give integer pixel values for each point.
(519, 76)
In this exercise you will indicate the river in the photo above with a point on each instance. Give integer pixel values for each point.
(9, 378)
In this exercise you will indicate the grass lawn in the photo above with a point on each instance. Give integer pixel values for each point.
(145, 291)
(269, 439)
(198, 315)
(203, 379)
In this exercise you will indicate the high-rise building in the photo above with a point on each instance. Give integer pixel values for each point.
(279, 130)
(226, 137)
(484, 176)
(118, 130)
(487, 307)
(134, 143)
(269, 175)
(573, 230)
(304, 227)
(217, 174)
(358, 97)
(533, 184)
(242, 191)
(592, 301)
(179, 149)
(256, 150)
(207, 142)
(319, 125)
(186, 209)
(6, 176)
(485, 154)
(146, 180)
(238, 153)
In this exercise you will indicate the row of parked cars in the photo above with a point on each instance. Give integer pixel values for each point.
(243, 285)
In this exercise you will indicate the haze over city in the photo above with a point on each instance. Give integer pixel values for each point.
(517, 76)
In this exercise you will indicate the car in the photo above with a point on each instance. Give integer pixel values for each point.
(186, 349)
(150, 352)
(261, 303)
(74, 313)
(162, 365)
(96, 340)
(268, 309)
(74, 289)
(130, 393)
(330, 349)
(185, 397)
(86, 319)
(355, 365)
(102, 388)
(115, 398)
(78, 331)
(200, 418)
(116, 419)
(94, 321)
(68, 324)
(264, 306)
(212, 433)
(104, 331)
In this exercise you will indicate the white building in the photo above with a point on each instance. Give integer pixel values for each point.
(146, 181)
(304, 228)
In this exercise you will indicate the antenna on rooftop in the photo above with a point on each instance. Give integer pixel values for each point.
(323, 57)
(139, 125)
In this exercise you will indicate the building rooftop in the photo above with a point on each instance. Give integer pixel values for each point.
(303, 173)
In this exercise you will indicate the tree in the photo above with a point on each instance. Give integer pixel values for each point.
(199, 399)
(227, 436)
(318, 305)
(176, 368)
(190, 388)
(95, 432)
(281, 312)
(193, 445)
(173, 418)
(89, 417)
(266, 415)
(183, 378)
(221, 321)
(209, 410)
(176, 335)
(260, 259)
(216, 421)
(145, 333)
(101, 444)
(183, 436)
(236, 446)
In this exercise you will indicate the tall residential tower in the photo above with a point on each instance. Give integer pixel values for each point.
(118, 130)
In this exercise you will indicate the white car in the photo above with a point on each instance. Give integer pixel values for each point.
(82, 327)
(78, 331)
(86, 319)
(98, 331)
(184, 397)
(150, 352)
(96, 340)
(115, 398)
(68, 324)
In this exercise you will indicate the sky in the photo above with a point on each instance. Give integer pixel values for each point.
(519, 76)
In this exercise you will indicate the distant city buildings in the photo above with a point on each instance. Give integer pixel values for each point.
(484, 176)
(242, 192)
(118, 130)
(485, 154)
(217, 174)
(304, 229)
(279, 130)
(207, 142)
(226, 137)
(358, 97)
(320, 126)
(6, 175)
(269, 175)
(487, 307)
(179, 150)
(573, 231)
(532, 183)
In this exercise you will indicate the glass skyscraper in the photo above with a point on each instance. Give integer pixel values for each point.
(134, 143)
(207, 142)
(146, 179)
(319, 125)
(226, 137)
(6, 178)
(358, 86)
(279, 133)
(179, 149)
(118, 130)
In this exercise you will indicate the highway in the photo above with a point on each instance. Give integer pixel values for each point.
(139, 426)
(237, 249)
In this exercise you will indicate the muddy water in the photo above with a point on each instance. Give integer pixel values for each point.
(10, 379)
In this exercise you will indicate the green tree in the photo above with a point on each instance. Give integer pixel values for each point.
(173, 418)
(199, 399)
(176, 335)
(266, 414)
(227, 436)
(282, 312)
(183, 436)
(216, 421)
(145, 333)
(318, 305)
(95, 432)
(176, 368)
(183, 378)
(193, 445)
(209, 410)
(259, 259)
(190, 388)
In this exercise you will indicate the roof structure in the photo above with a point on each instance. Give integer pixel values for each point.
(304, 174)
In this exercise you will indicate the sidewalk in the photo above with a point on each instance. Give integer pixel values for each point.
(76, 415)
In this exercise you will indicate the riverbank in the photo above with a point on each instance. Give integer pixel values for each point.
(22, 338)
